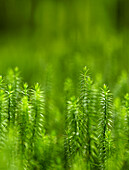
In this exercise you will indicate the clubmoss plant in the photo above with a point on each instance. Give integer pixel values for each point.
(14, 89)
(3, 115)
(37, 120)
(81, 137)
(72, 132)
(24, 125)
(126, 130)
(127, 115)
(105, 125)
(68, 89)
(87, 111)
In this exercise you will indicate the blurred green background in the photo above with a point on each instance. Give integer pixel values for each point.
(51, 40)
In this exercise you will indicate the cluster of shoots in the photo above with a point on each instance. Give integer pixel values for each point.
(97, 128)
(96, 134)
(21, 123)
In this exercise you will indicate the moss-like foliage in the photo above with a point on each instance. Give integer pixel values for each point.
(22, 123)
(96, 127)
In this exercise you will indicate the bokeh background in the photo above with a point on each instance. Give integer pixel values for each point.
(51, 40)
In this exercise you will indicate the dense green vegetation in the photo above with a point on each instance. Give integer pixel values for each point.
(69, 120)
(24, 143)
(96, 127)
